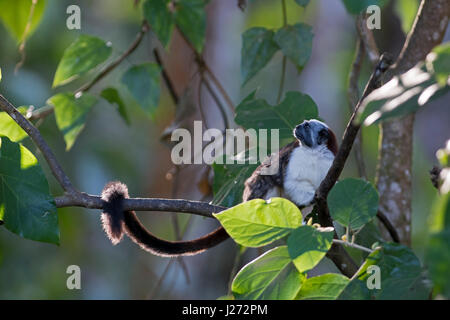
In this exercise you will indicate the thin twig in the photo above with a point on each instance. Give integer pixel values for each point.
(219, 104)
(47, 110)
(352, 245)
(204, 66)
(167, 80)
(353, 96)
(115, 63)
(389, 226)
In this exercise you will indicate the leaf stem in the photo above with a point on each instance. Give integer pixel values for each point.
(352, 245)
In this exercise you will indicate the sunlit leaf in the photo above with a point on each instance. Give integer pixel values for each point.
(271, 276)
(143, 82)
(308, 245)
(71, 114)
(353, 202)
(258, 48)
(9, 128)
(26, 206)
(258, 222)
(84, 54)
(15, 15)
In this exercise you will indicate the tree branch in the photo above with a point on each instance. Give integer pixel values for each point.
(337, 253)
(35, 135)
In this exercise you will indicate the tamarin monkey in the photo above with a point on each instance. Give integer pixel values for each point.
(302, 165)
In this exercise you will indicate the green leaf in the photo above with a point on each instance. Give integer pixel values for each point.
(355, 7)
(0, 74)
(161, 20)
(440, 59)
(26, 206)
(271, 276)
(9, 128)
(112, 96)
(259, 222)
(353, 202)
(71, 114)
(84, 54)
(258, 48)
(296, 43)
(302, 3)
(143, 83)
(15, 15)
(400, 271)
(308, 245)
(406, 10)
(258, 114)
(324, 287)
(190, 17)
(228, 184)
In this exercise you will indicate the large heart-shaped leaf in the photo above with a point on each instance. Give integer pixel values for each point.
(143, 83)
(71, 114)
(84, 54)
(271, 276)
(353, 202)
(308, 245)
(15, 15)
(258, 48)
(324, 287)
(26, 207)
(295, 43)
(258, 114)
(259, 222)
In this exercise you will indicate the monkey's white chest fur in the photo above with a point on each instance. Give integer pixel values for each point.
(305, 171)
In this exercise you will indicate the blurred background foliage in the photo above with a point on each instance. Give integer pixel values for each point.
(108, 149)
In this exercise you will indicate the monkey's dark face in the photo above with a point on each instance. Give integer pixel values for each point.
(312, 133)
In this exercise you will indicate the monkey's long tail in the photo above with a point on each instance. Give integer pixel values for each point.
(116, 222)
